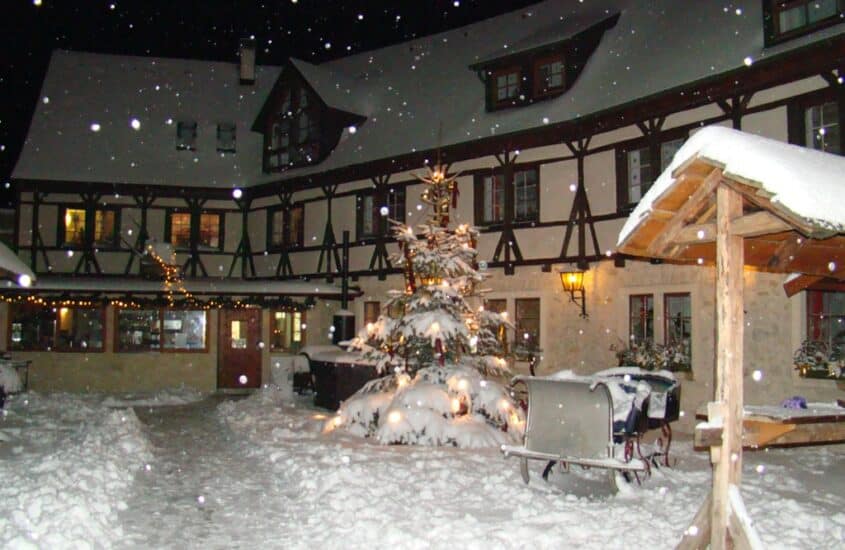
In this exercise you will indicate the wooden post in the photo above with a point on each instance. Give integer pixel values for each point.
(727, 458)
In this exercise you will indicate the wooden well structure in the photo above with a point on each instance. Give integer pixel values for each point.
(714, 206)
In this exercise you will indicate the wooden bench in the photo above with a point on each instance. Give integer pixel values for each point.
(569, 422)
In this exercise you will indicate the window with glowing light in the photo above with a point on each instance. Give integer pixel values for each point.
(72, 229)
(372, 311)
(285, 227)
(490, 197)
(370, 219)
(63, 328)
(32, 327)
(640, 319)
(180, 229)
(180, 224)
(527, 322)
(287, 330)
(140, 330)
(209, 235)
(826, 318)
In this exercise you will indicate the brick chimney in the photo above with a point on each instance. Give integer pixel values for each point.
(246, 53)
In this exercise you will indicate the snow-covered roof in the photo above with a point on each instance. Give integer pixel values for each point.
(83, 89)
(10, 263)
(407, 91)
(802, 182)
(210, 286)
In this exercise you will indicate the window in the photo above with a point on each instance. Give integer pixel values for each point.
(548, 76)
(287, 330)
(372, 310)
(226, 137)
(61, 329)
(790, 18)
(209, 230)
(286, 227)
(186, 135)
(371, 220)
(74, 226)
(677, 314)
(506, 86)
(155, 329)
(639, 164)
(32, 327)
(294, 134)
(826, 317)
(527, 324)
(815, 121)
(490, 197)
(640, 318)
(180, 229)
(496, 305)
(73, 231)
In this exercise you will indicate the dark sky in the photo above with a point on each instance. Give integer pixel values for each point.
(314, 30)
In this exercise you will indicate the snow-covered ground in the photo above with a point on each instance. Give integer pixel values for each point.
(259, 472)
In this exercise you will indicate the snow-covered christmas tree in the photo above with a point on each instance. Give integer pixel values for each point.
(435, 343)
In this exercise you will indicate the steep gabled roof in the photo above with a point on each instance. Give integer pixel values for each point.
(336, 89)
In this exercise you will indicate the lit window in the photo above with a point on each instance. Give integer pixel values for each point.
(105, 228)
(180, 229)
(155, 329)
(641, 318)
(32, 327)
(286, 332)
(74, 226)
(372, 311)
(527, 323)
(209, 230)
(821, 126)
(490, 197)
(226, 137)
(59, 329)
(183, 329)
(186, 135)
(138, 330)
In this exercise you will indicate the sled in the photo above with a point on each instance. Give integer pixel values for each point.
(570, 422)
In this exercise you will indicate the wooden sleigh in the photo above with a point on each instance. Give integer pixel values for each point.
(571, 422)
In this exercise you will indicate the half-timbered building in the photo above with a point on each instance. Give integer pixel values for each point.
(557, 118)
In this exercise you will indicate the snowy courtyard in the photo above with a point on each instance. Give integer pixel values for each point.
(186, 470)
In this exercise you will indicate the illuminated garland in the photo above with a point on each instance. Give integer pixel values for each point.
(131, 302)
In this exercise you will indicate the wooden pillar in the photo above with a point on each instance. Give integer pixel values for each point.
(727, 458)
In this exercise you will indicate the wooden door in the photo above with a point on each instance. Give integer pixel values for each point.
(239, 354)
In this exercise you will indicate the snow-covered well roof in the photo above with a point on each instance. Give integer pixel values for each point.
(407, 91)
(83, 89)
(12, 265)
(793, 204)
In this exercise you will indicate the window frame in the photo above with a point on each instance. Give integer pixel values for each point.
(190, 144)
(493, 87)
(229, 126)
(289, 109)
(54, 313)
(369, 306)
(518, 339)
(116, 345)
(771, 20)
(653, 143)
(479, 197)
(86, 241)
(822, 316)
(539, 90)
(286, 241)
(643, 317)
(303, 322)
(382, 226)
(797, 107)
(666, 319)
(195, 220)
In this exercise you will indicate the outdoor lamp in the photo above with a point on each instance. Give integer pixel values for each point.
(572, 280)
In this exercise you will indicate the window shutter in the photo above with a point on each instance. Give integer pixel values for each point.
(795, 124)
(621, 180)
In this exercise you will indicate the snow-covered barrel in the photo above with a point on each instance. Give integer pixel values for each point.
(337, 374)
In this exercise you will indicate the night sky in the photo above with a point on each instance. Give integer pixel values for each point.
(313, 30)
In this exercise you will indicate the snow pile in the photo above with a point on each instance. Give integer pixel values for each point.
(9, 379)
(332, 490)
(68, 463)
(439, 406)
(161, 398)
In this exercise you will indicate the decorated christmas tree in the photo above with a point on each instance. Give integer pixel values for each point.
(434, 342)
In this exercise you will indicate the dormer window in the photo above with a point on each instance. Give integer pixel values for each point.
(226, 137)
(789, 19)
(549, 75)
(506, 85)
(186, 135)
(295, 131)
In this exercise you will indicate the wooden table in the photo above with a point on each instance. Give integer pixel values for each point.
(769, 426)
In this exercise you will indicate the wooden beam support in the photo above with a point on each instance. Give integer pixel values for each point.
(684, 213)
(796, 285)
(750, 225)
(730, 259)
